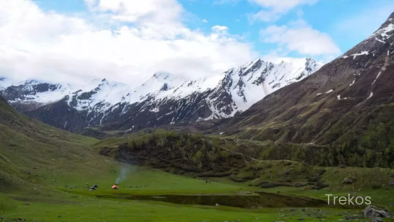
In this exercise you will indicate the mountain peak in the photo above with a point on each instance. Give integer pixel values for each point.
(386, 29)
(378, 43)
(257, 61)
(252, 67)
(310, 61)
(161, 75)
(391, 16)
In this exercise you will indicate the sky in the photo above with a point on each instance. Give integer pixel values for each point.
(128, 41)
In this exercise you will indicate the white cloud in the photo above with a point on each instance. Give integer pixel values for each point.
(265, 16)
(282, 5)
(158, 11)
(56, 47)
(205, 21)
(271, 10)
(219, 28)
(300, 37)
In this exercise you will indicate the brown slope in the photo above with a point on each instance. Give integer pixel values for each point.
(357, 112)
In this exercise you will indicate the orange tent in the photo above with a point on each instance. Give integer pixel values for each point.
(115, 187)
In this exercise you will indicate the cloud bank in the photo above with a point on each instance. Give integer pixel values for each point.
(138, 39)
(299, 37)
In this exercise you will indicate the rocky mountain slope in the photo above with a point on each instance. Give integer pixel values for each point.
(341, 114)
(163, 99)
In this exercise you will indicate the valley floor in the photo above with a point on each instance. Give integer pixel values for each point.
(107, 210)
(67, 199)
(45, 175)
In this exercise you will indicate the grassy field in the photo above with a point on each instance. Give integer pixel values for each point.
(109, 210)
(45, 174)
(55, 202)
(145, 181)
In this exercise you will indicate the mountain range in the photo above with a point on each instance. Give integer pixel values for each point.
(164, 99)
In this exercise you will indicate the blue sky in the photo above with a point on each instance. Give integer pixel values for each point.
(347, 22)
(133, 39)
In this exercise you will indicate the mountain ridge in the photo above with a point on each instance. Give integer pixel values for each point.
(162, 99)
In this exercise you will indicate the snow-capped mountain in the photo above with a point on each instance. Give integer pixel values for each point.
(162, 99)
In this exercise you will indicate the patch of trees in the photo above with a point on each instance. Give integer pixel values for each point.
(187, 152)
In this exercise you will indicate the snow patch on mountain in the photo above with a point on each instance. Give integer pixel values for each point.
(359, 54)
(385, 32)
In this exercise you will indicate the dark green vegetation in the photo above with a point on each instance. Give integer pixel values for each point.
(176, 151)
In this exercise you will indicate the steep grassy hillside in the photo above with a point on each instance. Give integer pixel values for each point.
(30, 149)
